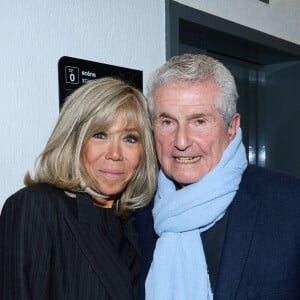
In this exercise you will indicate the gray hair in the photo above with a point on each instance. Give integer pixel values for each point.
(197, 68)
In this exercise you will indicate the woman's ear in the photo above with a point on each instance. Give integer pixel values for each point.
(233, 126)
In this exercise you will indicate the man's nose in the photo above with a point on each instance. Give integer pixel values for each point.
(182, 141)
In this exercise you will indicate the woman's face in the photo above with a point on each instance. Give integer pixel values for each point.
(110, 158)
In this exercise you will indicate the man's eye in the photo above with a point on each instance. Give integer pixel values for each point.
(200, 121)
(131, 139)
(100, 135)
(166, 122)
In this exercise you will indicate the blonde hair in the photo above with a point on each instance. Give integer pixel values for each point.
(90, 109)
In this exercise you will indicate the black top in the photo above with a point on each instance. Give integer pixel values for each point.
(53, 246)
(113, 229)
(213, 240)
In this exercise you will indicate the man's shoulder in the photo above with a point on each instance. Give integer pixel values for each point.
(257, 174)
(269, 181)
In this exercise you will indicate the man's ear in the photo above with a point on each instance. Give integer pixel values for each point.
(234, 125)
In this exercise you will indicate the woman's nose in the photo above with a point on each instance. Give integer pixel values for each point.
(114, 151)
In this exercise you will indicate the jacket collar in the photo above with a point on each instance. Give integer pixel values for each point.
(241, 223)
(108, 265)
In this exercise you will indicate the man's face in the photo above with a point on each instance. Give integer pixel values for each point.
(189, 131)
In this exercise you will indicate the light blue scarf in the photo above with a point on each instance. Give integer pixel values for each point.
(178, 270)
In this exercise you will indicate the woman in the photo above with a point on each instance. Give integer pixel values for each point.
(68, 234)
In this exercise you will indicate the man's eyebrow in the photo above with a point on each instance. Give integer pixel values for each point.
(190, 117)
(164, 115)
(196, 116)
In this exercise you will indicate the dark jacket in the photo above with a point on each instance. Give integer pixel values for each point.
(52, 246)
(261, 250)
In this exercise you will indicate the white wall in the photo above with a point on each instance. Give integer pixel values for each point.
(280, 18)
(34, 35)
(130, 33)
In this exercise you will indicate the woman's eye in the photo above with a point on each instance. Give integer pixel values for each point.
(131, 139)
(100, 135)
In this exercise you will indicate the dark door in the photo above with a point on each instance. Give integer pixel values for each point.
(279, 116)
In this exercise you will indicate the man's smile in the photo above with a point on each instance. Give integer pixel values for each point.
(187, 160)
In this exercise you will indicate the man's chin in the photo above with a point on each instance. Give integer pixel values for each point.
(184, 181)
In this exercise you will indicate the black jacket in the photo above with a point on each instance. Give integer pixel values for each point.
(52, 247)
(261, 250)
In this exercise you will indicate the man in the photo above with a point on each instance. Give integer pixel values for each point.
(225, 230)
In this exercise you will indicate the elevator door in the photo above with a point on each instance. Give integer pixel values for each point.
(279, 116)
(269, 104)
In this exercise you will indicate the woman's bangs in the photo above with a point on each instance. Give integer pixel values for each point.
(131, 112)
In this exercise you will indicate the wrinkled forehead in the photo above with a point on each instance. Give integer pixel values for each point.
(181, 85)
(185, 89)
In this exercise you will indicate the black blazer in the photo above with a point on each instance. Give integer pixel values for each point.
(53, 247)
(261, 250)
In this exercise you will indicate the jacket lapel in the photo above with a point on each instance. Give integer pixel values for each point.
(107, 264)
(132, 235)
(240, 228)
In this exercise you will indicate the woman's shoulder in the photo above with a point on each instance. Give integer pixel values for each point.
(40, 197)
(37, 191)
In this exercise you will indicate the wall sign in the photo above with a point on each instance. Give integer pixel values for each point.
(74, 72)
